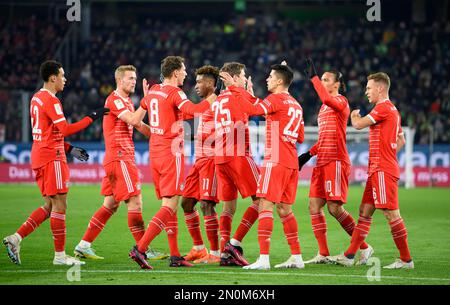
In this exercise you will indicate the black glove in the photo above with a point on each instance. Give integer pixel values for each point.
(303, 159)
(98, 113)
(310, 70)
(78, 152)
(219, 85)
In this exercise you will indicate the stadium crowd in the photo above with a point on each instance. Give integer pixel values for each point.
(417, 57)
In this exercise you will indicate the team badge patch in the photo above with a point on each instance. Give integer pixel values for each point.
(182, 95)
(119, 104)
(58, 109)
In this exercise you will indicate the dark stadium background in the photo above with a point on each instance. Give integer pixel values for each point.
(411, 44)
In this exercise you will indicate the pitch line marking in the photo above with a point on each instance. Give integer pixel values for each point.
(231, 273)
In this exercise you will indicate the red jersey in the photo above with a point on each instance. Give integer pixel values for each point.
(332, 122)
(48, 141)
(383, 138)
(284, 125)
(118, 134)
(165, 105)
(204, 139)
(231, 127)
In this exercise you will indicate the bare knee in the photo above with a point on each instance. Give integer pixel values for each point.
(391, 215)
(111, 204)
(335, 209)
(134, 204)
(284, 209)
(316, 205)
(208, 208)
(188, 204)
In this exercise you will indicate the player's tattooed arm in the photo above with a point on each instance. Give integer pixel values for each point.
(144, 129)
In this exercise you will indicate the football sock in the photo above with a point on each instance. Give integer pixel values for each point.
(193, 225)
(155, 227)
(319, 226)
(348, 224)
(136, 224)
(97, 223)
(249, 218)
(265, 228)
(290, 228)
(226, 219)
(211, 228)
(400, 236)
(172, 234)
(34, 220)
(58, 227)
(359, 235)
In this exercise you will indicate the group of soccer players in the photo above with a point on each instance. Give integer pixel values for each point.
(223, 167)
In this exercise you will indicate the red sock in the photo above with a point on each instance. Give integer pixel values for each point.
(97, 223)
(155, 227)
(172, 235)
(359, 234)
(265, 228)
(211, 227)
(226, 219)
(319, 226)
(348, 224)
(58, 226)
(136, 224)
(193, 225)
(291, 232)
(249, 218)
(34, 220)
(400, 236)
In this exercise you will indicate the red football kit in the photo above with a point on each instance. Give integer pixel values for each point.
(382, 183)
(329, 178)
(166, 105)
(49, 127)
(121, 174)
(235, 168)
(201, 182)
(284, 128)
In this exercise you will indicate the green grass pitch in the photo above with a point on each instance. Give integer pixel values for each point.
(426, 213)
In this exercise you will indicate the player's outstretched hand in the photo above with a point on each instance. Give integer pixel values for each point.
(145, 86)
(227, 79)
(249, 85)
(78, 152)
(310, 70)
(98, 113)
(303, 159)
(219, 85)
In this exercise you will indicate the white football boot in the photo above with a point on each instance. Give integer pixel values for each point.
(67, 260)
(12, 244)
(399, 264)
(262, 263)
(292, 262)
(318, 259)
(341, 259)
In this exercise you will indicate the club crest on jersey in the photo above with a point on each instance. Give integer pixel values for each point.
(58, 109)
(182, 95)
(119, 104)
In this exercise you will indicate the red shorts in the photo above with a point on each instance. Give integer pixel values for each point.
(168, 174)
(121, 180)
(53, 178)
(330, 181)
(278, 183)
(241, 174)
(382, 191)
(201, 182)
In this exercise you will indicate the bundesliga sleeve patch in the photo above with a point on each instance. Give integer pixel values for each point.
(119, 104)
(58, 109)
(182, 95)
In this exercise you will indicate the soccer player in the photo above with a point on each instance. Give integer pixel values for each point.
(386, 138)
(235, 167)
(201, 183)
(166, 103)
(279, 174)
(329, 180)
(121, 181)
(49, 163)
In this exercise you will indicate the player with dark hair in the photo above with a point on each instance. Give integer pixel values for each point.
(166, 103)
(329, 180)
(48, 160)
(235, 167)
(201, 182)
(386, 139)
(278, 182)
